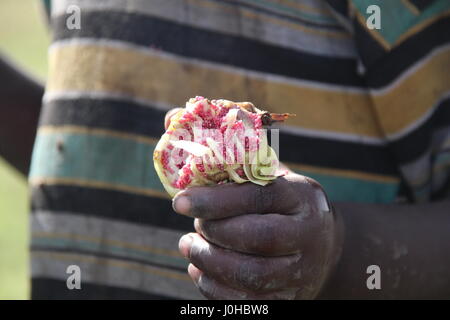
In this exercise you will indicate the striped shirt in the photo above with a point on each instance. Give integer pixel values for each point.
(373, 120)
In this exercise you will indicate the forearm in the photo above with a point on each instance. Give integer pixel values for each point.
(20, 104)
(410, 244)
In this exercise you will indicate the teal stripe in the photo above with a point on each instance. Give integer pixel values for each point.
(100, 248)
(396, 19)
(294, 12)
(129, 163)
(355, 190)
(97, 158)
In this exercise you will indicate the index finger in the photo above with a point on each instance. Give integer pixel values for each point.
(231, 199)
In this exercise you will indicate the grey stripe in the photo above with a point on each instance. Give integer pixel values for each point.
(115, 231)
(100, 95)
(127, 239)
(227, 20)
(347, 137)
(112, 273)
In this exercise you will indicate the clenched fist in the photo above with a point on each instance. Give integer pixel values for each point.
(280, 241)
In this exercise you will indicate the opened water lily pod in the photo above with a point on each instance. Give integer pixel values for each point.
(214, 142)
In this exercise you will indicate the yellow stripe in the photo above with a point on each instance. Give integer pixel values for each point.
(343, 173)
(39, 181)
(408, 101)
(115, 243)
(71, 129)
(411, 7)
(419, 27)
(155, 78)
(111, 262)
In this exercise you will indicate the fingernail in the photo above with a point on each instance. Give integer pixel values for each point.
(182, 204)
(184, 245)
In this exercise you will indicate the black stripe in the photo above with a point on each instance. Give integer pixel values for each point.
(416, 143)
(340, 6)
(52, 289)
(111, 114)
(109, 204)
(421, 4)
(206, 45)
(369, 49)
(107, 256)
(337, 154)
(129, 117)
(401, 57)
(305, 22)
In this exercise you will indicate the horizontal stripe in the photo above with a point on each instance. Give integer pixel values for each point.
(50, 97)
(405, 103)
(428, 64)
(345, 137)
(307, 6)
(279, 7)
(218, 10)
(114, 272)
(145, 244)
(354, 190)
(333, 109)
(39, 181)
(438, 115)
(388, 68)
(324, 153)
(95, 158)
(58, 245)
(110, 168)
(419, 138)
(300, 18)
(109, 205)
(120, 116)
(221, 48)
(117, 262)
(52, 289)
(344, 173)
(73, 129)
(128, 117)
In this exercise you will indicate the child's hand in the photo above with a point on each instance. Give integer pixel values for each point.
(275, 242)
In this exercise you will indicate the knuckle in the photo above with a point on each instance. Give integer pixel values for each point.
(261, 200)
(252, 275)
(264, 237)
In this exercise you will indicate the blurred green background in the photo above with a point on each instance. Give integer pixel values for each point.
(24, 38)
